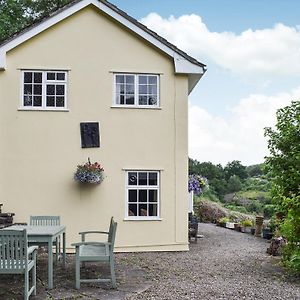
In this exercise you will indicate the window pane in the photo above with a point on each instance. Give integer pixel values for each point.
(37, 77)
(122, 99)
(27, 77)
(50, 101)
(152, 195)
(120, 78)
(50, 89)
(129, 89)
(51, 76)
(143, 210)
(132, 178)
(143, 195)
(60, 89)
(152, 80)
(142, 79)
(129, 79)
(152, 89)
(152, 100)
(120, 89)
(143, 89)
(153, 210)
(130, 100)
(132, 210)
(142, 178)
(37, 101)
(37, 89)
(60, 101)
(27, 100)
(132, 196)
(152, 178)
(28, 89)
(143, 100)
(60, 76)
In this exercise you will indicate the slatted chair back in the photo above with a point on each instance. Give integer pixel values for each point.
(45, 220)
(13, 251)
(112, 232)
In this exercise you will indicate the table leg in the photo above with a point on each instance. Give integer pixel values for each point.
(50, 264)
(64, 249)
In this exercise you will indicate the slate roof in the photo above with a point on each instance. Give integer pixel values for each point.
(120, 12)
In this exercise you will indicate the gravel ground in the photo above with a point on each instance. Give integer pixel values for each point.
(223, 265)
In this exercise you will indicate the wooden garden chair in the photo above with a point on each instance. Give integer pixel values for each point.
(17, 258)
(47, 221)
(93, 251)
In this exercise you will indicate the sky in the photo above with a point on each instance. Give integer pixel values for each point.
(252, 52)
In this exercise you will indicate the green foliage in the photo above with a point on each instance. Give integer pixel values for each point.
(247, 223)
(269, 211)
(255, 170)
(18, 14)
(235, 168)
(234, 184)
(238, 208)
(283, 165)
(224, 220)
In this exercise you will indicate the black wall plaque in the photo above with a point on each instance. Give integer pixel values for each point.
(89, 135)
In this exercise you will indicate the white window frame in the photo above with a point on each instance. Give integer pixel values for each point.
(136, 91)
(142, 187)
(44, 83)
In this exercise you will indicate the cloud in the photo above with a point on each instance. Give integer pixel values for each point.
(241, 136)
(273, 51)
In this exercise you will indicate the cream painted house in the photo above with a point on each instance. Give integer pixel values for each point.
(91, 62)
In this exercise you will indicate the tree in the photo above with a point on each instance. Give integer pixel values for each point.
(235, 168)
(283, 165)
(234, 184)
(18, 14)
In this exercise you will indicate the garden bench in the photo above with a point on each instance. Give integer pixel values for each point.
(94, 251)
(17, 258)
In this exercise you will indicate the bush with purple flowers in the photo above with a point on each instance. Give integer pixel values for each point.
(197, 183)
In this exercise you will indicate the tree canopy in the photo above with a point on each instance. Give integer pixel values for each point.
(18, 14)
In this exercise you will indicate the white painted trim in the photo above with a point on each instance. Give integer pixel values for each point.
(45, 81)
(135, 72)
(143, 187)
(142, 219)
(136, 107)
(146, 169)
(39, 68)
(136, 91)
(182, 65)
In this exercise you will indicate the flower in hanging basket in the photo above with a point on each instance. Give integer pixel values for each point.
(197, 183)
(89, 173)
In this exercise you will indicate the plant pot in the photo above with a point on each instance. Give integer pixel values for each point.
(230, 225)
(266, 233)
(247, 229)
(243, 229)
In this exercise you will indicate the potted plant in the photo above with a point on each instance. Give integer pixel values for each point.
(247, 224)
(222, 222)
(89, 173)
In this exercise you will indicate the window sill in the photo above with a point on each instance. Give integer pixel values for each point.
(44, 109)
(136, 107)
(141, 219)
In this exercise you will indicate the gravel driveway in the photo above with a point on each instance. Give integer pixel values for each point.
(223, 265)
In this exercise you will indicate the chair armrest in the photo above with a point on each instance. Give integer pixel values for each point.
(94, 231)
(32, 249)
(84, 233)
(90, 243)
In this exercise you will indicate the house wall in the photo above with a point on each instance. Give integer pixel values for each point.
(40, 150)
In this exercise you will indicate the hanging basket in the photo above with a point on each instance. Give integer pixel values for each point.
(89, 173)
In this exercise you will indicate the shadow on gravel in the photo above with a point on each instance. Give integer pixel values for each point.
(130, 280)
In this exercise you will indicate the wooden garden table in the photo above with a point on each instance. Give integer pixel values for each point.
(45, 234)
